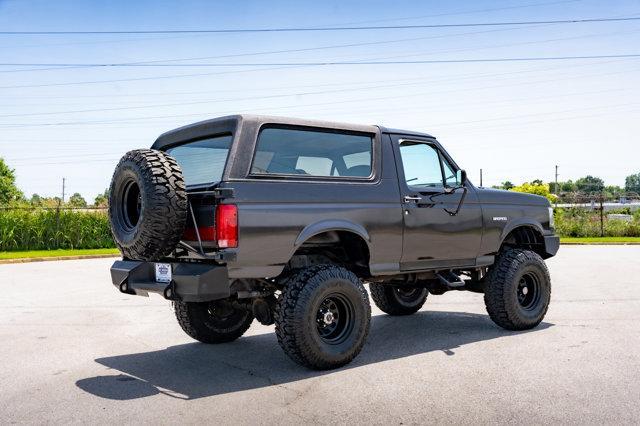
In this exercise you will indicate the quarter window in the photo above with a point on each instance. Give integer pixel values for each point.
(202, 161)
(450, 175)
(312, 153)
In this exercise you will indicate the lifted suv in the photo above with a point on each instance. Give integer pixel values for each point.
(283, 220)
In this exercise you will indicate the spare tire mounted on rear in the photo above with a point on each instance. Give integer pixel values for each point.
(147, 205)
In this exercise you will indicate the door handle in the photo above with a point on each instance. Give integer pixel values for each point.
(409, 198)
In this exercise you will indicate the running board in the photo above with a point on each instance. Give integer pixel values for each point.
(450, 279)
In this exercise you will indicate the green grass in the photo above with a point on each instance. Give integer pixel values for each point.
(600, 240)
(55, 253)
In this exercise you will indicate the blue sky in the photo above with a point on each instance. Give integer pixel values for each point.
(516, 120)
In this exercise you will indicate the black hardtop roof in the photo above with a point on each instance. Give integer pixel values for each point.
(230, 122)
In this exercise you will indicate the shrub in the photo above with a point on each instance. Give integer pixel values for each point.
(575, 222)
(40, 229)
(536, 188)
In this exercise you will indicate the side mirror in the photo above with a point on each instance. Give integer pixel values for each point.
(461, 177)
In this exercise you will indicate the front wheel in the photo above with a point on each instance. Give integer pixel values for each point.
(322, 317)
(396, 300)
(213, 322)
(518, 290)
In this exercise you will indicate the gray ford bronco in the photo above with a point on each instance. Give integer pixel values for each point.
(284, 221)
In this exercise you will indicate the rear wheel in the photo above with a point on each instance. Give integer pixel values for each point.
(213, 322)
(395, 300)
(518, 290)
(322, 318)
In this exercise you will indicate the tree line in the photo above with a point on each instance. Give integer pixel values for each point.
(588, 185)
(10, 194)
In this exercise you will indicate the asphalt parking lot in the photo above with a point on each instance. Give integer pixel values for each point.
(74, 350)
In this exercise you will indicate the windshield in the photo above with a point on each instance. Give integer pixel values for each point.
(202, 161)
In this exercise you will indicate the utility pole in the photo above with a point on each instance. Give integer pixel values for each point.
(63, 184)
(557, 186)
(480, 177)
(602, 214)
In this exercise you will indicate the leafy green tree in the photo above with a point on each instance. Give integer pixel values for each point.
(102, 200)
(632, 183)
(567, 186)
(36, 200)
(537, 182)
(507, 185)
(52, 202)
(537, 188)
(613, 191)
(590, 184)
(76, 200)
(8, 190)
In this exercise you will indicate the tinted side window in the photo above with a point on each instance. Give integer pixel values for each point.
(421, 164)
(312, 153)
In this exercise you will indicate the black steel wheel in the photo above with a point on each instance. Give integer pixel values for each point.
(213, 322)
(529, 291)
(322, 317)
(335, 319)
(518, 290)
(398, 300)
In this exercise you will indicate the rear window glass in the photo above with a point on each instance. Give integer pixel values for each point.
(312, 153)
(202, 161)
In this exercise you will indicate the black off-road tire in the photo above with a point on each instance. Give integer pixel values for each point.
(395, 300)
(302, 316)
(213, 322)
(147, 205)
(508, 303)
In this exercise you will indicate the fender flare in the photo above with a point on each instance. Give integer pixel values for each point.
(331, 225)
(519, 223)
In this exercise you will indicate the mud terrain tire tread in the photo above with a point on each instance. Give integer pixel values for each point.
(164, 205)
(195, 320)
(386, 299)
(300, 290)
(499, 296)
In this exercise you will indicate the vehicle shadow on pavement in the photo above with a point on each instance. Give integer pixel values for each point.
(196, 370)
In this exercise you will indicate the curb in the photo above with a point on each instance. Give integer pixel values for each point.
(613, 243)
(54, 258)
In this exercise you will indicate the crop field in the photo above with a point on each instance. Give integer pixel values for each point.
(42, 229)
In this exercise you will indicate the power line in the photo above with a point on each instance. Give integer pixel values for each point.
(120, 80)
(466, 12)
(331, 103)
(328, 63)
(335, 46)
(340, 45)
(457, 77)
(411, 83)
(280, 51)
(437, 15)
(171, 76)
(316, 29)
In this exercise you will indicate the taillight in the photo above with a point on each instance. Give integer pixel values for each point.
(207, 233)
(227, 225)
